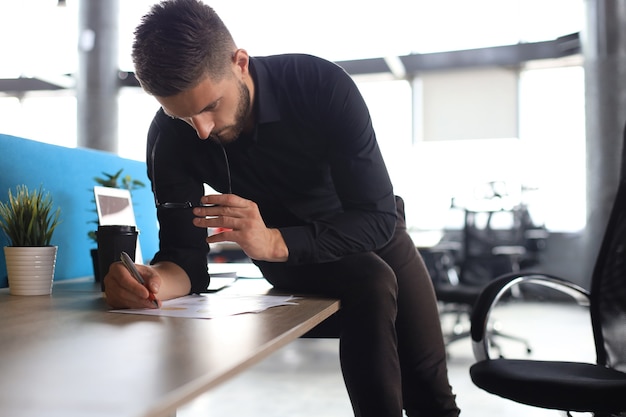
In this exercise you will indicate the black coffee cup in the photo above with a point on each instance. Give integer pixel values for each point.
(112, 241)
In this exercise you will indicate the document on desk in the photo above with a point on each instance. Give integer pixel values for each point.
(208, 306)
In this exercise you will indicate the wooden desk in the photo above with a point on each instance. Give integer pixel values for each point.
(66, 355)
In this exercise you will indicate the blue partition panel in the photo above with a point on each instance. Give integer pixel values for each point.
(67, 173)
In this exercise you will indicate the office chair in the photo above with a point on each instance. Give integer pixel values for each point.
(457, 298)
(460, 270)
(598, 388)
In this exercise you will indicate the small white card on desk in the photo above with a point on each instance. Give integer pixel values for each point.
(208, 306)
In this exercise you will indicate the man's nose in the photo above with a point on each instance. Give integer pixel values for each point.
(203, 124)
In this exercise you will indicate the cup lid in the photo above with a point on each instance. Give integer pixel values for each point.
(116, 229)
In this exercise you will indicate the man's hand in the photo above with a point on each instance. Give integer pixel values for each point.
(124, 291)
(166, 280)
(247, 228)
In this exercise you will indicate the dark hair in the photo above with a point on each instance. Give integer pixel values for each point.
(177, 44)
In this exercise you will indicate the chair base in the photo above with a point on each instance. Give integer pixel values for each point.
(462, 314)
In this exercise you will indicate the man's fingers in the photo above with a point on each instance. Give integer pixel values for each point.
(122, 289)
(151, 278)
(224, 200)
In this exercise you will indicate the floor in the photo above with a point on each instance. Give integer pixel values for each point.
(304, 380)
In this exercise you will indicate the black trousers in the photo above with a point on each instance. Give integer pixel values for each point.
(391, 347)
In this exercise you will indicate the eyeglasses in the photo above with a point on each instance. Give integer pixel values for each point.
(184, 205)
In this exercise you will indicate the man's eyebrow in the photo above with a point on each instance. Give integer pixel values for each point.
(208, 107)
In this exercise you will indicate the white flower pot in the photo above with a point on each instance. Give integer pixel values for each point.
(30, 269)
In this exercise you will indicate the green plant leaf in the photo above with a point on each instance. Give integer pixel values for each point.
(27, 218)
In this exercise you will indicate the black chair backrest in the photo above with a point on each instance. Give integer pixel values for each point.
(608, 288)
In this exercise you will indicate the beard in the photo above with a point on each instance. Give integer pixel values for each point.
(231, 133)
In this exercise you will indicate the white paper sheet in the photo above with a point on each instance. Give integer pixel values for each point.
(208, 306)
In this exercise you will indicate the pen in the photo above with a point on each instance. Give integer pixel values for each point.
(130, 265)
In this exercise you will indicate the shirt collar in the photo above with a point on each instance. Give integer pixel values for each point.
(265, 97)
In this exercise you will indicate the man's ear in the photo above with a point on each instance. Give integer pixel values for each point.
(241, 59)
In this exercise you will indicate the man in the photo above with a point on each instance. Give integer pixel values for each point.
(288, 142)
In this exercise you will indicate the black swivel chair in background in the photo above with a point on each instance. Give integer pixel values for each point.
(598, 388)
(463, 265)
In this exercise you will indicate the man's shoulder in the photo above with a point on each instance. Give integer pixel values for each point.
(291, 57)
(295, 75)
(295, 63)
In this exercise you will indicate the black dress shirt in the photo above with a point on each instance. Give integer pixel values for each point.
(312, 165)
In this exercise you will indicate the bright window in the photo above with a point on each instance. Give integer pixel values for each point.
(428, 174)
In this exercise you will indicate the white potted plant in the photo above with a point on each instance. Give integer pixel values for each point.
(28, 220)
